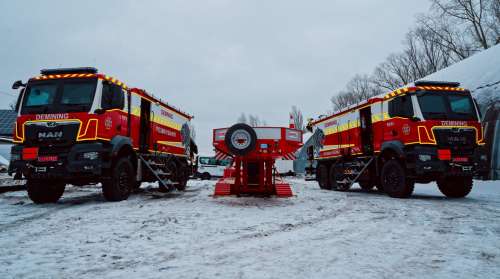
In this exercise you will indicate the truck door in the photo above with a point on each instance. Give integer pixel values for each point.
(366, 130)
(145, 129)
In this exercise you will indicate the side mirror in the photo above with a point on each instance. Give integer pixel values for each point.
(18, 84)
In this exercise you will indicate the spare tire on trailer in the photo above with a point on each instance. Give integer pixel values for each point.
(240, 139)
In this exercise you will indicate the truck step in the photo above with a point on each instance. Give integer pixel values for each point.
(352, 176)
(283, 190)
(222, 189)
(160, 175)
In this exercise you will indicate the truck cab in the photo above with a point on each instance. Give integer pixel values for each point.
(419, 134)
(437, 131)
(77, 126)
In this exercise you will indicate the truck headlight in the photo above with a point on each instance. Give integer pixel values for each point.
(424, 157)
(94, 155)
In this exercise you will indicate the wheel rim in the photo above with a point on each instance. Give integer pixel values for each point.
(241, 139)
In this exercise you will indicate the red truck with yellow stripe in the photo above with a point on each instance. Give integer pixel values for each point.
(427, 132)
(78, 126)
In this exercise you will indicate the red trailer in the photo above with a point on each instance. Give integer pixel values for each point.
(254, 151)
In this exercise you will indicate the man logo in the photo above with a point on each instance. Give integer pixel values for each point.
(51, 124)
(50, 135)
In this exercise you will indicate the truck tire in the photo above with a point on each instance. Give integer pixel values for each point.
(335, 175)
(136, 185)
(119, 186)
(240, 139)
(182, 183)
(323, 177)
(182, 176)
(45, 191)
(394, 180)
(455, 186)
(379, 188)
(206, 176)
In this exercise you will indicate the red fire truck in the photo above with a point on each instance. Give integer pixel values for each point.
(77, 126)
(419, 134)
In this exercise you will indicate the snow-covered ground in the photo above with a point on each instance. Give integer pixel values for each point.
(317, 234)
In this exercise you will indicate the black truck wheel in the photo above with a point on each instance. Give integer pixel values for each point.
(336, 178)
(240, 139)
(119, 185)
(45, 191)
(394, 180)
(182, 176)
(323, 177)
(206, 176)
(455, 186)
(136, 185)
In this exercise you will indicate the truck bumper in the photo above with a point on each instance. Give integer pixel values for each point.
(85, 160)
(425, 161)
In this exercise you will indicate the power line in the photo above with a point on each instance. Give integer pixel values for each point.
(7, 93)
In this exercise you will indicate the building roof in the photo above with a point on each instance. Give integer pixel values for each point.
(7, 122)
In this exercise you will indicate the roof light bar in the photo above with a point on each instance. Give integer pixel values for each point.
(81, 70)
(436, 83)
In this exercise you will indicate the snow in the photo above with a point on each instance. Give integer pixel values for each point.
(479, 73)
(316, 234)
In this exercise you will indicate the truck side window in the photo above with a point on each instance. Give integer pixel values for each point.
(401, 106)
(112, 96)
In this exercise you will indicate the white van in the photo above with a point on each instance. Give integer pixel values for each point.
(208, 167)
(285, 167)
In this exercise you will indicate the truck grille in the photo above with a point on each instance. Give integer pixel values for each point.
(51, 133)
(456, 138)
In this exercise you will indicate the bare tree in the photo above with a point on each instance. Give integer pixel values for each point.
(12, 105)
(298, 118)
(242, 118)
(494, 20)
(252, 120)
(453, 31)
(192, 131)
(475, 16)
(394, 72)
(358, 89)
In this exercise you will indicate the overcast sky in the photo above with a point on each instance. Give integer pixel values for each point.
(213, 59)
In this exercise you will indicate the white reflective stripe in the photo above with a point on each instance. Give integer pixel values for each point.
(293, 135)
(268, 133)
(220, 134)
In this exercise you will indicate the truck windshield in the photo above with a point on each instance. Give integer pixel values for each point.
(58, 96)
(448, 105)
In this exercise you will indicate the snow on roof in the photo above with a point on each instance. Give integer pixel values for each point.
(479, 73)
